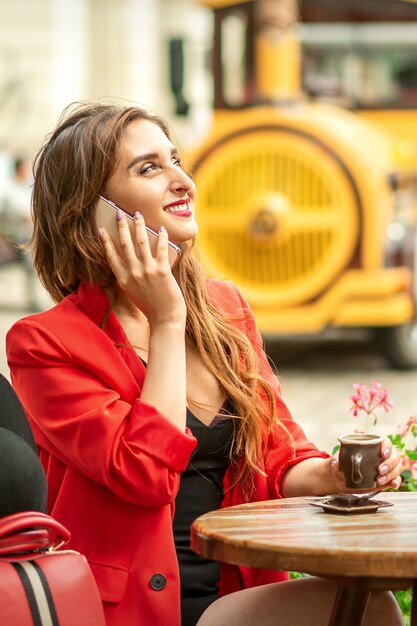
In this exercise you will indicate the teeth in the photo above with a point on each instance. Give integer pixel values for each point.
(177, 209)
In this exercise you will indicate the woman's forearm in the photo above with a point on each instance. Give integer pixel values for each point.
(165, 382)
(312, 477)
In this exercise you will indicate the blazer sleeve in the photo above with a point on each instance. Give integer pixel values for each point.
(129, 447)
(288, 444)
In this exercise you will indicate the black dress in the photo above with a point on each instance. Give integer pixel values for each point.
(201, 490)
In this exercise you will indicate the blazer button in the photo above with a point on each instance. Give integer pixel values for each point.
(158, 582)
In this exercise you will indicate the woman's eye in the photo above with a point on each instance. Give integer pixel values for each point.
(148, 167)
(177, 161)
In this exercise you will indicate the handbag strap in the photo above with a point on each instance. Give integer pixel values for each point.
(25, 541)
(31, 529)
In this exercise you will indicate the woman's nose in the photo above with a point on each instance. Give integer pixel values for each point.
(180, 180)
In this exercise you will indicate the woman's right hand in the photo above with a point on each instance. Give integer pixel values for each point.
(150, 285)
(146, 280)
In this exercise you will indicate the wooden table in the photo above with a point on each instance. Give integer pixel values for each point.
(362, 552)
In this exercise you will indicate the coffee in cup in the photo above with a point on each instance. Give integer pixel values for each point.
(359, 458)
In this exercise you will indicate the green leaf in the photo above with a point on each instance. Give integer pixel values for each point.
(412, 454)
(404, 599)
(295, 575)
(335, 449)
(397, 441)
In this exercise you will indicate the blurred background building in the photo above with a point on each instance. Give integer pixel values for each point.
(53, 52)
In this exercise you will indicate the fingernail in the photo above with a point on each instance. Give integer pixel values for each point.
(138, 215)
(119, 214)
(386, 453)
(100, 232)
(381, 479)
(383, 469)
(162, 229)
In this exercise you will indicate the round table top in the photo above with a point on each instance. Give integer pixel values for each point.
(291, 534)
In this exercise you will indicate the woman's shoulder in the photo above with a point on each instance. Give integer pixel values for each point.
(227, 297)
(62, 311)
(62, 321)
(223, 293)
(86, 306)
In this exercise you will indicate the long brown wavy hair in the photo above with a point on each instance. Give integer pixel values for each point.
(71, 169)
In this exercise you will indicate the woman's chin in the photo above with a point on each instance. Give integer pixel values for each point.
(187, 235)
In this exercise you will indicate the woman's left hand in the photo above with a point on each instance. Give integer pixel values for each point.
(389, 469)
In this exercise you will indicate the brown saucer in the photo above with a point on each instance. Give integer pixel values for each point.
(336, 505)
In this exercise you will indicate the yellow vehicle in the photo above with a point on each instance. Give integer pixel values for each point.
(307, 193)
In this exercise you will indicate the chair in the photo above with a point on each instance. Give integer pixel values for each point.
(23, 484)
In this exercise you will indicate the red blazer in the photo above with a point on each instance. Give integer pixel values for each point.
(113, 462)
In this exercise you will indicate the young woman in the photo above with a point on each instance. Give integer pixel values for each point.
(148, 390)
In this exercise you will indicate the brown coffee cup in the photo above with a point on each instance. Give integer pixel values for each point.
(359, 457)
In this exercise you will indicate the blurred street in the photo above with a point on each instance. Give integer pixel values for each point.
(316, 374)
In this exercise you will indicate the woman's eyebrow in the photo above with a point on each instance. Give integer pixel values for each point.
(148, 157)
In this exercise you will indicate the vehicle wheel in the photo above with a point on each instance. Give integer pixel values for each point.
(398, 344)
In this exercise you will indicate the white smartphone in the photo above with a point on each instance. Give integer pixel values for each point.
(106, 218)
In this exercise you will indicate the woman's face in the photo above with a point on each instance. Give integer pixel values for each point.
(149, 179)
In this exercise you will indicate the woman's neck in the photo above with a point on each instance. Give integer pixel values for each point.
(121, 303)
(133, 321)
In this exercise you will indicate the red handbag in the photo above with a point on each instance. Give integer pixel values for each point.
(40, 584)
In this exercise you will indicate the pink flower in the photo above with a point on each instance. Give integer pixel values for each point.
(410, 427)
(368, 399)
